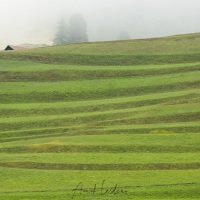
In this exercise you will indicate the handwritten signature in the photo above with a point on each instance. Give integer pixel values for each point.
(80, 190)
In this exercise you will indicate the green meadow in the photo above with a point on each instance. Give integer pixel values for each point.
(105, 120)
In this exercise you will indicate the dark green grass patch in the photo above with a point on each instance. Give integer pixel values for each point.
(99, 167)
(52, 148)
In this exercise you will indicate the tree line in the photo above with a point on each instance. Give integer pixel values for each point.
(73, 32)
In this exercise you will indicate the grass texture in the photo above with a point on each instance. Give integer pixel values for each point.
(107, 120)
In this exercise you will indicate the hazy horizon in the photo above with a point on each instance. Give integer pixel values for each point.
(28, 21)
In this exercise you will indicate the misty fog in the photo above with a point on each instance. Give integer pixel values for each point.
(35, 21)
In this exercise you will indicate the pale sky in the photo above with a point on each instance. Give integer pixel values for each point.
(35, 21)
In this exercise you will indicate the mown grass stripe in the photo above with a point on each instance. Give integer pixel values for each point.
(134, 129)
(182, 117)
(102, 120)
(34, 97)
(113, 167)
(66, 75)
(126, 113)
(14, 136)
(51, 148)
(102, 60)
(190, 98)
(101, 158)
(96, 86)
(194, 93)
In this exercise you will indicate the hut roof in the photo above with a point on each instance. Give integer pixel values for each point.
(12, 47)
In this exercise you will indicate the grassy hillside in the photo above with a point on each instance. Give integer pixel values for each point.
(172, 50)
(80, 130)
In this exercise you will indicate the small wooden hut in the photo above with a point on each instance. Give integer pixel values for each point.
(12, 47)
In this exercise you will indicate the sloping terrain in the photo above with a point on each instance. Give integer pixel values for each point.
(172, 50)
(101, 120)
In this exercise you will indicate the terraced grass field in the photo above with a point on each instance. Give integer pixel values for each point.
(113, 120)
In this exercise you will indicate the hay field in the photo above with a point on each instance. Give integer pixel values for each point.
(108, 120)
